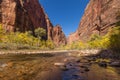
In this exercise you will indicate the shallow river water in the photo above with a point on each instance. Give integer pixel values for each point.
(41, 67)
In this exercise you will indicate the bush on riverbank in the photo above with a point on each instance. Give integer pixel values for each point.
(73, 46)
(109, 41)
(102, 42)
(17, 40)
(115, 39)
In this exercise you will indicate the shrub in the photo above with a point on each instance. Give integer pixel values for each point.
(95, 41)
(115, 38)
(50, 44)
(2, 32)
(99, 42)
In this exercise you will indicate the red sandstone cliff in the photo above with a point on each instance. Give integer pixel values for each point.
(58, 36)
(24, 15)
(55, 33)
(98, 17)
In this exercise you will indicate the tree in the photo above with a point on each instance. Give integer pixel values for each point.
(40, 32)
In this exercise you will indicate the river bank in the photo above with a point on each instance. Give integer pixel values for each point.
(84, 52)
(30, 51)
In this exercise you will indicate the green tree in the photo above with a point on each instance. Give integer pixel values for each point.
(40, 32)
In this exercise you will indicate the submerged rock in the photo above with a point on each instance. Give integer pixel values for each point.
(86, 69)
(3, 65)
(59, 64)
(102, 64)
(78, 60)
(115, 64)
(64, 68)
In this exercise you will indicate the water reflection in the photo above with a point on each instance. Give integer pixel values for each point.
(26, 66)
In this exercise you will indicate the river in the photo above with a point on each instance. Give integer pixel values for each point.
(41, 67)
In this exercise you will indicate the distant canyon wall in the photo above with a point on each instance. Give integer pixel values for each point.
(58, 36)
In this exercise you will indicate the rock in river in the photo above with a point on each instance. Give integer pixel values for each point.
(115, 64)
(102, 64)
(59, 64)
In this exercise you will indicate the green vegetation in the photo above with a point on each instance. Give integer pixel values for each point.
(97, 41)
(17, 40)
(109, 41)
(40, 32)
(115, 39)
(75, 45)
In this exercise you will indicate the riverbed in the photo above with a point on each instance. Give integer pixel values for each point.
(42, 67)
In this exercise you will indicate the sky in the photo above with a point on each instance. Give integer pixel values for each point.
(66, 13)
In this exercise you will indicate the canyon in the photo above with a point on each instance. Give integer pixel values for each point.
(25, 15)
(69, 62)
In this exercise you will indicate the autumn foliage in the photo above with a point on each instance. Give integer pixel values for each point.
(17, 40)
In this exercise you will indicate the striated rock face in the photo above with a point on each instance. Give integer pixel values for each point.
(98, 17)
(58, 36)
(7, 13)
(24, 15)
(49, 29)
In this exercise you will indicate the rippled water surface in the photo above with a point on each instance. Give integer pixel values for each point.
(41, 67)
